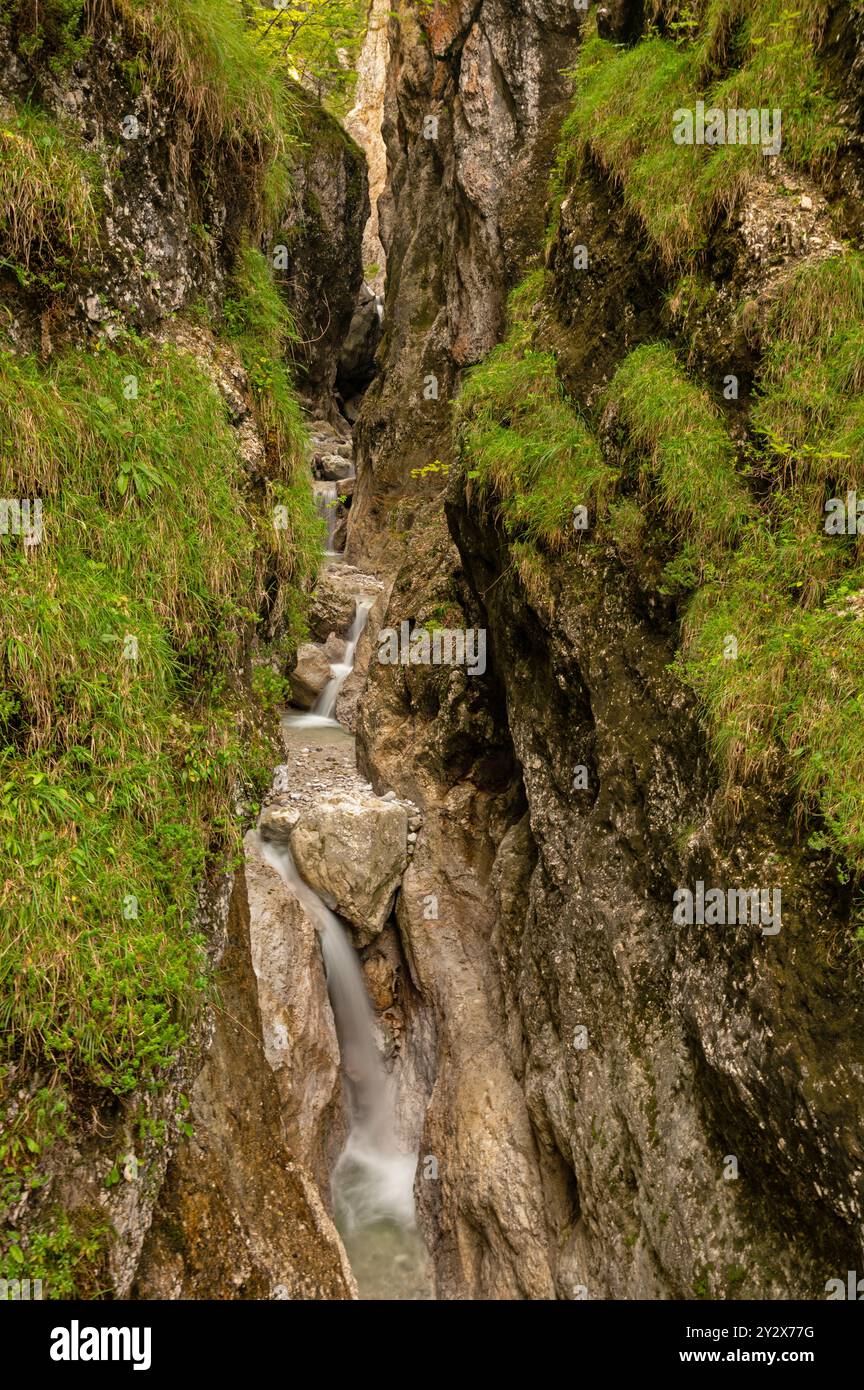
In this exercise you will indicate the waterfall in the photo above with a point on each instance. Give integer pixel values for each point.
(323, 712)
(372, 1181)
(325, 705)
(325, 505)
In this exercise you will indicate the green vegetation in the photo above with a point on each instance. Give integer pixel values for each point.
(123, 737)
(205, 54)
(741, 54)
(318, 41)
(168, 545)
(811, 406)
(752, 564)
(51, 31)
(676, 428)
(48, 204)
(259, 326)
(773, 607)
(523, 442)
(120, 750)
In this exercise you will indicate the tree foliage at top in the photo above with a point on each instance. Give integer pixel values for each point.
(318, 41)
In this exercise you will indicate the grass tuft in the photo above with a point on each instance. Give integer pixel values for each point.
(522, 441)
(204, 53)
(746, 54)
(48, 202)
(680, 433)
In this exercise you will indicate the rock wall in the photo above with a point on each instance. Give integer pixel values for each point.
(322, 232)
(697, 1045)
(459, 214)
(472, 104)
(238, 1215)
(363, 122)
(596, 1067)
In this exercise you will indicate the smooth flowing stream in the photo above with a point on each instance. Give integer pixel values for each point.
(325, 505)
(373, 1179)
(323, 712)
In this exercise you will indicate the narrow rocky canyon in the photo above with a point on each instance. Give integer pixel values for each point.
(455, 895)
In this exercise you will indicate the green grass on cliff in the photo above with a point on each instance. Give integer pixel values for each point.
(772, 605)
(50, 32)
(125, 736)
(810, 409)
(789, 708)
(260, 328)
(673, 425)
(205, 54)
(48, 195)
(525, 447)
(774, 629)
(773, 632)
(741, 54)
(130, 741)
(118, 742)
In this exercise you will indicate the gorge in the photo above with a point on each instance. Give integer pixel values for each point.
(332, 970)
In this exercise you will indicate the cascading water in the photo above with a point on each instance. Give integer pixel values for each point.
(323, 712)
(325, 505)
(373, 1179)
(325, 705)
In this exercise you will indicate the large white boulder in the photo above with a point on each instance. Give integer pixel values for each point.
(352, 848)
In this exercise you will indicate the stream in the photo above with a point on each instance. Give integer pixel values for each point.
(373, 1178)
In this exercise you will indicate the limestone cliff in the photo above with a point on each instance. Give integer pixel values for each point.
(623, 1107)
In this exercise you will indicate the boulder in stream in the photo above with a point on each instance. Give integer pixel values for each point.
(310, 675)
(353, 850)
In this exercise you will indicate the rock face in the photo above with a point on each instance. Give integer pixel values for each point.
(297, 1022)
(628, 1032)
(363, 122)
(463, 206)
(238, 1216)
(461, 209)
(353, 851)
(597, 1068)
(322, 234)
(357, 357)
(310, 675)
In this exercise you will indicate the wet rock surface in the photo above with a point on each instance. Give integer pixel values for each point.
(310, 675)
(238, 1215)
(353, 851)
(299, 1037)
